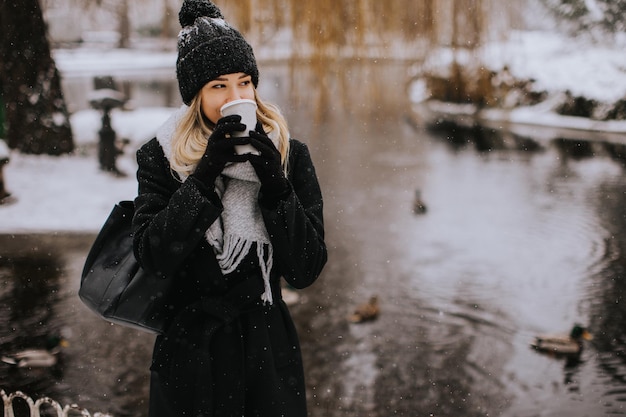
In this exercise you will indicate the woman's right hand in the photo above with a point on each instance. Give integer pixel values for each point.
(220, 149)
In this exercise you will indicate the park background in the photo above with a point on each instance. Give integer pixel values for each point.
(352, 77)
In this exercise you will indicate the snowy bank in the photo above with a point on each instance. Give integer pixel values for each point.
(538, 122)
(558, 63)
(71, 193)
(92, 62)
(545, 64)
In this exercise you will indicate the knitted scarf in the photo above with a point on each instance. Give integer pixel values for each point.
(241, 224)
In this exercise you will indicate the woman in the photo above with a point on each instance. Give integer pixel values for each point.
(225, 228)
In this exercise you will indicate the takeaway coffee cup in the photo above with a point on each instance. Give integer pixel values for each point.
(247, 110)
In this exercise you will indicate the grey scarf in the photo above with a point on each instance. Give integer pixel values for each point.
(241, 223)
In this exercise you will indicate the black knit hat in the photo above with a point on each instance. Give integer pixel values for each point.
(209, 47)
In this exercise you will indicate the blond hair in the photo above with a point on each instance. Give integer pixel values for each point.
(193, 131)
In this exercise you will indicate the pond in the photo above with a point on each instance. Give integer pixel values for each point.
(514, 242)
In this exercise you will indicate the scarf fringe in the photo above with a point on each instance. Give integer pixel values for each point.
(235, 250)
(266, 267)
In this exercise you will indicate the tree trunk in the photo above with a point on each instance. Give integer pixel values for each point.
(123, 24)
(36, 115)
(166, 21)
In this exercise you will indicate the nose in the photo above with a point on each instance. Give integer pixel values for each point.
(233, 95)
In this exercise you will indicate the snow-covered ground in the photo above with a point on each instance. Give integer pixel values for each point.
(70, 193)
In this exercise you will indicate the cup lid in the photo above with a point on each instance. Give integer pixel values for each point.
(236, 103)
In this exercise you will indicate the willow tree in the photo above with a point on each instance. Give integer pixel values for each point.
(336, 40)
(36, 115)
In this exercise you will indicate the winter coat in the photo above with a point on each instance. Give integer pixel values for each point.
(225, 353)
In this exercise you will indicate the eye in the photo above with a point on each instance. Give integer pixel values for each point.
(215, 84)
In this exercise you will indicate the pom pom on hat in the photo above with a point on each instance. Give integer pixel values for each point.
(193, 9)
(209, 47)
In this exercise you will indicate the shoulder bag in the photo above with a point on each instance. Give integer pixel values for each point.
(113, 284)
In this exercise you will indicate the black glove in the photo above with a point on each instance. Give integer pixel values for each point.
(274, 184)
(220, 150)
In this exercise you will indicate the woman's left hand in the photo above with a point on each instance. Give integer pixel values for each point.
(268, 167)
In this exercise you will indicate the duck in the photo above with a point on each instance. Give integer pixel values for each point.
(563, 344)
(419, 207)
(37, 358)
(365, 312)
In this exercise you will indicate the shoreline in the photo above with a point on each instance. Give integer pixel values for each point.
(534, 122)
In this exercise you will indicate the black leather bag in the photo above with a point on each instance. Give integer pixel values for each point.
(114, 286)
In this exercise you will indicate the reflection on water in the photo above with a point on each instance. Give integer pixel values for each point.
(29, 296)
(103, 368)
(521, 237)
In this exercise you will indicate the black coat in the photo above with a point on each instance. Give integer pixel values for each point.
(225, 353)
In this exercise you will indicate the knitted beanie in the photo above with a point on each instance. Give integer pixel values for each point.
(209, 47)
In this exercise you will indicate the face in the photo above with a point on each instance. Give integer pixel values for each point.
(222, 90)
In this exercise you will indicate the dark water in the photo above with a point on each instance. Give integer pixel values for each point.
(514, 243)
(104, 366)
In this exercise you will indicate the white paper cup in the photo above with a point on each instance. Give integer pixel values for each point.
(247, 110)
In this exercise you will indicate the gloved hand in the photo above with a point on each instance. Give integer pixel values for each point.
(220, 150)
(274, 184)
